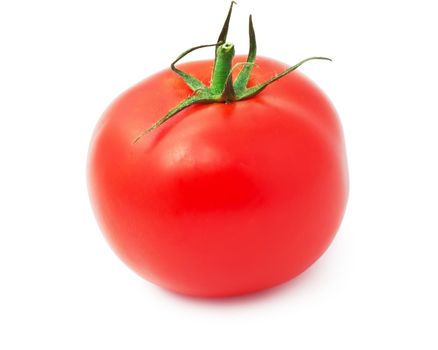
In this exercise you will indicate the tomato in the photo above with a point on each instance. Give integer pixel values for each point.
(224, 198)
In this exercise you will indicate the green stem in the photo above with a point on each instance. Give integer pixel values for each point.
(222, 67)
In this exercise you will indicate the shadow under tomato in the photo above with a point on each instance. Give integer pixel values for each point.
(284, 289)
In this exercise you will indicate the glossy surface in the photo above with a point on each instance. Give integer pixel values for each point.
(223, 199)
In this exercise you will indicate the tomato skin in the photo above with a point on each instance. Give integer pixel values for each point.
(222, 199)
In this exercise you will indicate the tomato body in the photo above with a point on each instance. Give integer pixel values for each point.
(222, 199)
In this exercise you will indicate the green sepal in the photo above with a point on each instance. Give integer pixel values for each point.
(178, 108)
(190, 80)
(224, 32)
(251, 92)
(243, 77)
(228, 94)
(221, 88)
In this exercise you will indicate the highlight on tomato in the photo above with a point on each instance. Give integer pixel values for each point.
(220, 177)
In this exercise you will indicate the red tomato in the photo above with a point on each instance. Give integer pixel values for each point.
(223, 199)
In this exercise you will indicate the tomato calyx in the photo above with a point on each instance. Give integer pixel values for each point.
(222, 88)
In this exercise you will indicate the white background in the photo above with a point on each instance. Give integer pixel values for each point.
(61, 287)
